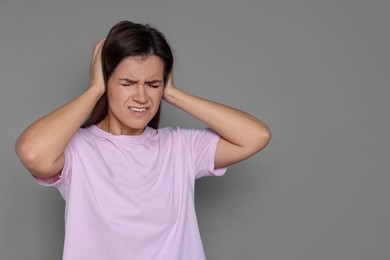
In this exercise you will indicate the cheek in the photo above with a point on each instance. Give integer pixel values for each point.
(157, 99)
(116, 95)
(159, 94)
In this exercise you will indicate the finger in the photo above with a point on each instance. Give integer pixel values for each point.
(98, 46)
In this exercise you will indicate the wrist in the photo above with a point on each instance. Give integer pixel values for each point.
(96, 90)
(170, 95)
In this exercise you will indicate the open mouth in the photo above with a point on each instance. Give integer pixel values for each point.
(136, 109)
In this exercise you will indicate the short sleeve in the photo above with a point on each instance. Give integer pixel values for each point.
(203, 148)
(61, 180)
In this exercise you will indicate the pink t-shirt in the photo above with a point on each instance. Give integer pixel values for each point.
(132, 197)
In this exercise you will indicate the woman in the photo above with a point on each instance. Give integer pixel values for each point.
(128, 186)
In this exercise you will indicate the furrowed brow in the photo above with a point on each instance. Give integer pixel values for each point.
(128, 80)
(156, 81)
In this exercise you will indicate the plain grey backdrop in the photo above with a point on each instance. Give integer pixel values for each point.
(317, 72)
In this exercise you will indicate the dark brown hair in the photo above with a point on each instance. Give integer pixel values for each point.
(130, 39)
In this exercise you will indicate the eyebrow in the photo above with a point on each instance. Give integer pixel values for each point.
(154, 81)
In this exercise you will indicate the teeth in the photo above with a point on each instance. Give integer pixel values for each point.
(137, 109)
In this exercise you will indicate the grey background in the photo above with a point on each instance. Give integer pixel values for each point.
(317, 72)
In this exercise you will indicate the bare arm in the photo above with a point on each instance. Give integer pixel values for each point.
(41, 146)
(242, 135)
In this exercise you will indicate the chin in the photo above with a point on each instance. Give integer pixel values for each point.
(135, 127)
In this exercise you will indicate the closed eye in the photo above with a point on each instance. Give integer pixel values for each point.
(126, 82)
(152, 83)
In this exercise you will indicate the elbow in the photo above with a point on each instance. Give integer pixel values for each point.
(262, 139)
(26, 154)
(31, 160)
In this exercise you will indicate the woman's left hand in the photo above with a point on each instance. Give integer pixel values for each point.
(242, 135)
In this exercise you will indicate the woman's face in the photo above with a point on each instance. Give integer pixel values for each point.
(134, 93)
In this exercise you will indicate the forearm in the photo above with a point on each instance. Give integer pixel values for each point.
(42, 144)
(235, 126)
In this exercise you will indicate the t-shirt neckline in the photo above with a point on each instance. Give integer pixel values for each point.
(106, 135)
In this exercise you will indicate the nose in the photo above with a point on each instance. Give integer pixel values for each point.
(140, 94)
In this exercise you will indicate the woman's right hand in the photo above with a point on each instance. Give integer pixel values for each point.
(96, 78)
(41, 146)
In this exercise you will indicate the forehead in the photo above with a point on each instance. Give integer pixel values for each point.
(140, 67)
